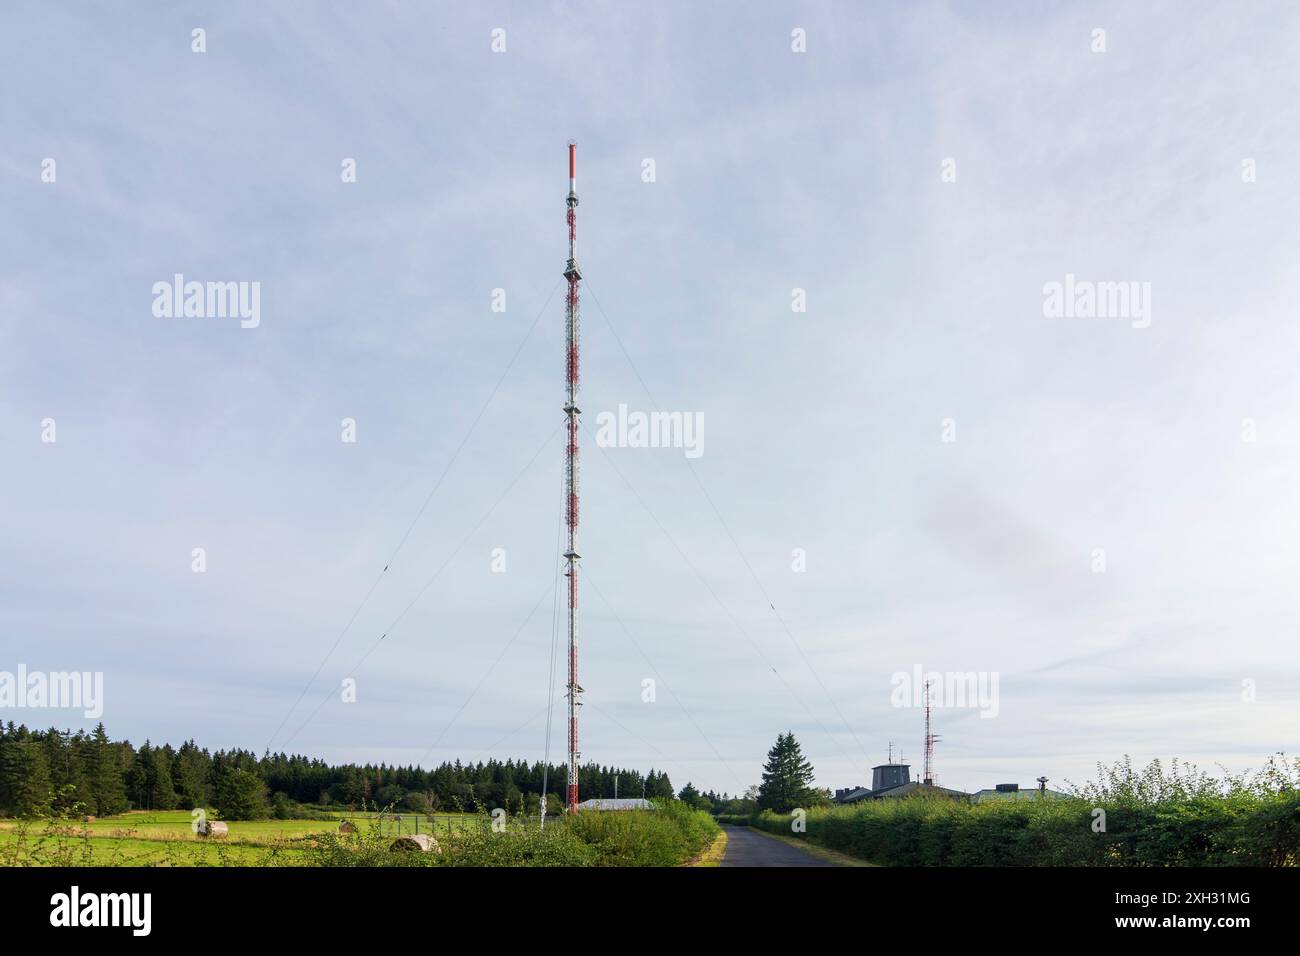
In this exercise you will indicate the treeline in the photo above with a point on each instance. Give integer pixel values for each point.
(60, 772)
(716, 803)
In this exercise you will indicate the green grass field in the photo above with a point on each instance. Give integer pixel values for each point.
(38, 849)
(166, 838)
(669, 836)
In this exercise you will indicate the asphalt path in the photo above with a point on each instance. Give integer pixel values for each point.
(749, 847)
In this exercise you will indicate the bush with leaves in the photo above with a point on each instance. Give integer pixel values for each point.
(1179, 816)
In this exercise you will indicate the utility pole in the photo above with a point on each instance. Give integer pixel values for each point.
(574, 275)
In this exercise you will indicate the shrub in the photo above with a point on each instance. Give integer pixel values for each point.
(666, 836)
(1241, 829)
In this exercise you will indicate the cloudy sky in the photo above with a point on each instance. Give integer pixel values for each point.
(1110, 527)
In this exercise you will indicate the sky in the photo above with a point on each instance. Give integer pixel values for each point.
(827, 230)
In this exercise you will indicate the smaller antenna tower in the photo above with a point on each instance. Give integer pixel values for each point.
(927, 775)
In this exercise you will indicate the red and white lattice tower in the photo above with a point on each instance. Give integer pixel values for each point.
(574, 275)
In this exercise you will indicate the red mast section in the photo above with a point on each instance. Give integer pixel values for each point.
(571, 410)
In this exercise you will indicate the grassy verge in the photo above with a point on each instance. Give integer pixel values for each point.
(714, 854)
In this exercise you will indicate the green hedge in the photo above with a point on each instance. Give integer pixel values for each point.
(1236, 830)
(668, 835)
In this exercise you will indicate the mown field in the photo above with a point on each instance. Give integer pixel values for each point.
(665, 837)
(160, 824)
(166, 838)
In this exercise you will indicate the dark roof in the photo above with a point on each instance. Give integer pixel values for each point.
(912, 788)
(916, 788)
(854, 795)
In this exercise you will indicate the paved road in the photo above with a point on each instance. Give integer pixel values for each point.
(748, 847)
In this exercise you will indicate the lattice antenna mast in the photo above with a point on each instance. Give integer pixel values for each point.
(927, 775)
(571, 556)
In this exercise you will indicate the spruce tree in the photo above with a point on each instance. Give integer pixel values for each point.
(107, 788)
(25, 789)
(241, 796)
(190, 772)
(787, 777)
(67, 775)
(162, 796)
(137, 778)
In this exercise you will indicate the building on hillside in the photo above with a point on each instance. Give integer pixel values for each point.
(888, 776)
(619, 803)
(892, 780)
(1012, 791)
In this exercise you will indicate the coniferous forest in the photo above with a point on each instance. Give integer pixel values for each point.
(60, 772)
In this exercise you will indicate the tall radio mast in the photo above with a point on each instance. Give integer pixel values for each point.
(571, 556)
(927, 773)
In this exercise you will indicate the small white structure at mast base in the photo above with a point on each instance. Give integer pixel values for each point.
(616, 803)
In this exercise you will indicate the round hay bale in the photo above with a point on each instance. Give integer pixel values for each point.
(415, 843)
(347, 826)
(88, 819)
(214, 828)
